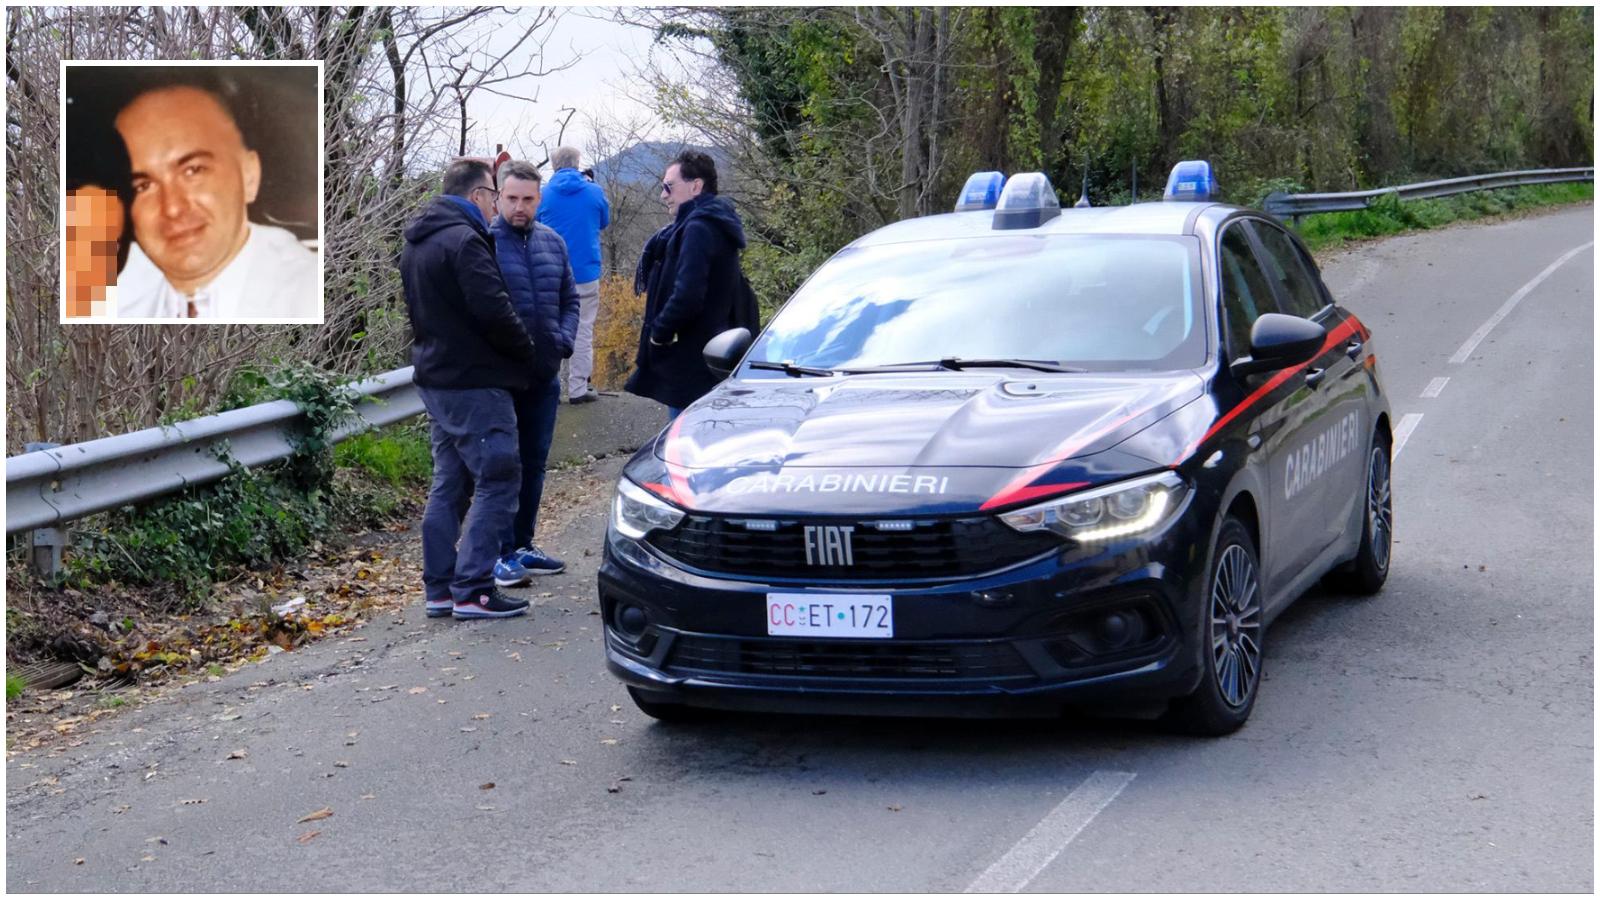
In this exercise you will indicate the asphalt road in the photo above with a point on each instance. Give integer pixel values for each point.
(1437, 737)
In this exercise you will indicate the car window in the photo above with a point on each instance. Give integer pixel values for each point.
(1287, 268)
(1089, 301)
(1245, 294)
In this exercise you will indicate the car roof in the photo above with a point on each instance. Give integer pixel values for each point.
(1160, 217)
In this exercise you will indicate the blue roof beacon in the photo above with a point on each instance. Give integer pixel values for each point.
(1191, 179)
(982, 191)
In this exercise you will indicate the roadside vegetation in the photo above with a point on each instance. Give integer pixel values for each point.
(1327, 231)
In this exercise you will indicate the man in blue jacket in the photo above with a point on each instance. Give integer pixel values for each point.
(533, 260)
(577, 209)
(470, 351)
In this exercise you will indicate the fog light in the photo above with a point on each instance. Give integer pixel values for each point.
(1119, 629)
(631, 621)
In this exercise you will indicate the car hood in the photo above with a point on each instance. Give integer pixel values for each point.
(929, 442)
(925, 419)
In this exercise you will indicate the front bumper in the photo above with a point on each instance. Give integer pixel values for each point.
(1112, 626)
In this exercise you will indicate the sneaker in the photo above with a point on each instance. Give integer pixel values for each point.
(491, 604)
(510, 573)
(588, 396)
(438, 609)
(537, 562)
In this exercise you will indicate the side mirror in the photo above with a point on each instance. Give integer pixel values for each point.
(1278, 341)
(724, 351)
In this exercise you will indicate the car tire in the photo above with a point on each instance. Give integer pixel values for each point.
(663, 711)
(1366, 573)
(1231, 630)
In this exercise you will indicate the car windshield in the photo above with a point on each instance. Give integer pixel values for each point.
(1088, 301)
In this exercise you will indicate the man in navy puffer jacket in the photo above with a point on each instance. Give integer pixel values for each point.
(533, 258)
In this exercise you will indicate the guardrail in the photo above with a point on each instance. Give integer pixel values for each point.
(1297, 205)
(50, 487)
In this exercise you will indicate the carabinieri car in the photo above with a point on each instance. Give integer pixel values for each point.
(1007, 460)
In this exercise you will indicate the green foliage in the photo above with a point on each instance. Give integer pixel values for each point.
(257, 517)
(1390, 216)
(15, 685)
(1278, 98)
(400, 457)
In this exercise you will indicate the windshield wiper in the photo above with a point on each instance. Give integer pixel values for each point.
(790, 369)
(956, 363)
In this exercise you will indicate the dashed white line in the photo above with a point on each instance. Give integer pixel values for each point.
(1509, 305)
(1408, 424)
(1434, 388)
(1039, 847)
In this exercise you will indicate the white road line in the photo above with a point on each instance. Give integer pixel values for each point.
(1509, 305)
(1434, 388)
(1408, 424)
(1028, 857)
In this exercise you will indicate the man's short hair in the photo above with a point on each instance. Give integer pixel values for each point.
(222, 87)
(564, 158)
(517, 168)
(693, 164)
(463, 175)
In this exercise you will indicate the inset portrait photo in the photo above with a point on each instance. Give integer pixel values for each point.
(192, 192)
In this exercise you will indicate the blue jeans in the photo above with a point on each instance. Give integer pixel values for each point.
(536, 427)
(476, 472)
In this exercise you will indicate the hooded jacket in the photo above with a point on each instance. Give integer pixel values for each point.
(543, 292)
(578, 210)
(464, 332)
(693, 297)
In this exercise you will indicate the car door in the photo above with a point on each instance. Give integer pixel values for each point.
(1280, 421)
(1331, 467)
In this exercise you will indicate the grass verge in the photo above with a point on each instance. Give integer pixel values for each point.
(1325, 231)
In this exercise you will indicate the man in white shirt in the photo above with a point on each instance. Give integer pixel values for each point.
(196, 254)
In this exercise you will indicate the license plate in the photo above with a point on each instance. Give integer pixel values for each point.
(830, 615)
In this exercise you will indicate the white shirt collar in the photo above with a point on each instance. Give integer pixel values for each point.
(273, 276)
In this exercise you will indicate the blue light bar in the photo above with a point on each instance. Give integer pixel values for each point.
(982, 191)
(1191, 180)
(1027, 201)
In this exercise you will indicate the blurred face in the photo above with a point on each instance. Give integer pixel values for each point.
(94, 225)
(519, 201)
(192, 179)
(675, 191)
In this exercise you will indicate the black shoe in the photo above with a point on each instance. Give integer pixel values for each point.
(588, 396)
(490, 604)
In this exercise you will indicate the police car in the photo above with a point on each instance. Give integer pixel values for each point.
(1006, 460)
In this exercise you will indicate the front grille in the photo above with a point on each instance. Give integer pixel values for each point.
(932, 549)
(846, 659)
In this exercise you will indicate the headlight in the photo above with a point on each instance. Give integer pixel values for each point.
(636, 512)
(1116, 510)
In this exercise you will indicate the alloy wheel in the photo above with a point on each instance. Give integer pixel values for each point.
(1235, 625)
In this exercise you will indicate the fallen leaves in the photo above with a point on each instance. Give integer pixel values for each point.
(322, 813)
(308, 836)
(486, 786)
(241, 753)
(418, 690)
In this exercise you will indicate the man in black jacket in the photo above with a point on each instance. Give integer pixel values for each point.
(470, 351)
(691, 272)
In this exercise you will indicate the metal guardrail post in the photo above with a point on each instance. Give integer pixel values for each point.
(46, 544)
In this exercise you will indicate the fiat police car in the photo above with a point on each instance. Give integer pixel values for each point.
(1007, 460)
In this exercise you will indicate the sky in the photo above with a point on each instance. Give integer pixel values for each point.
(598, 83)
